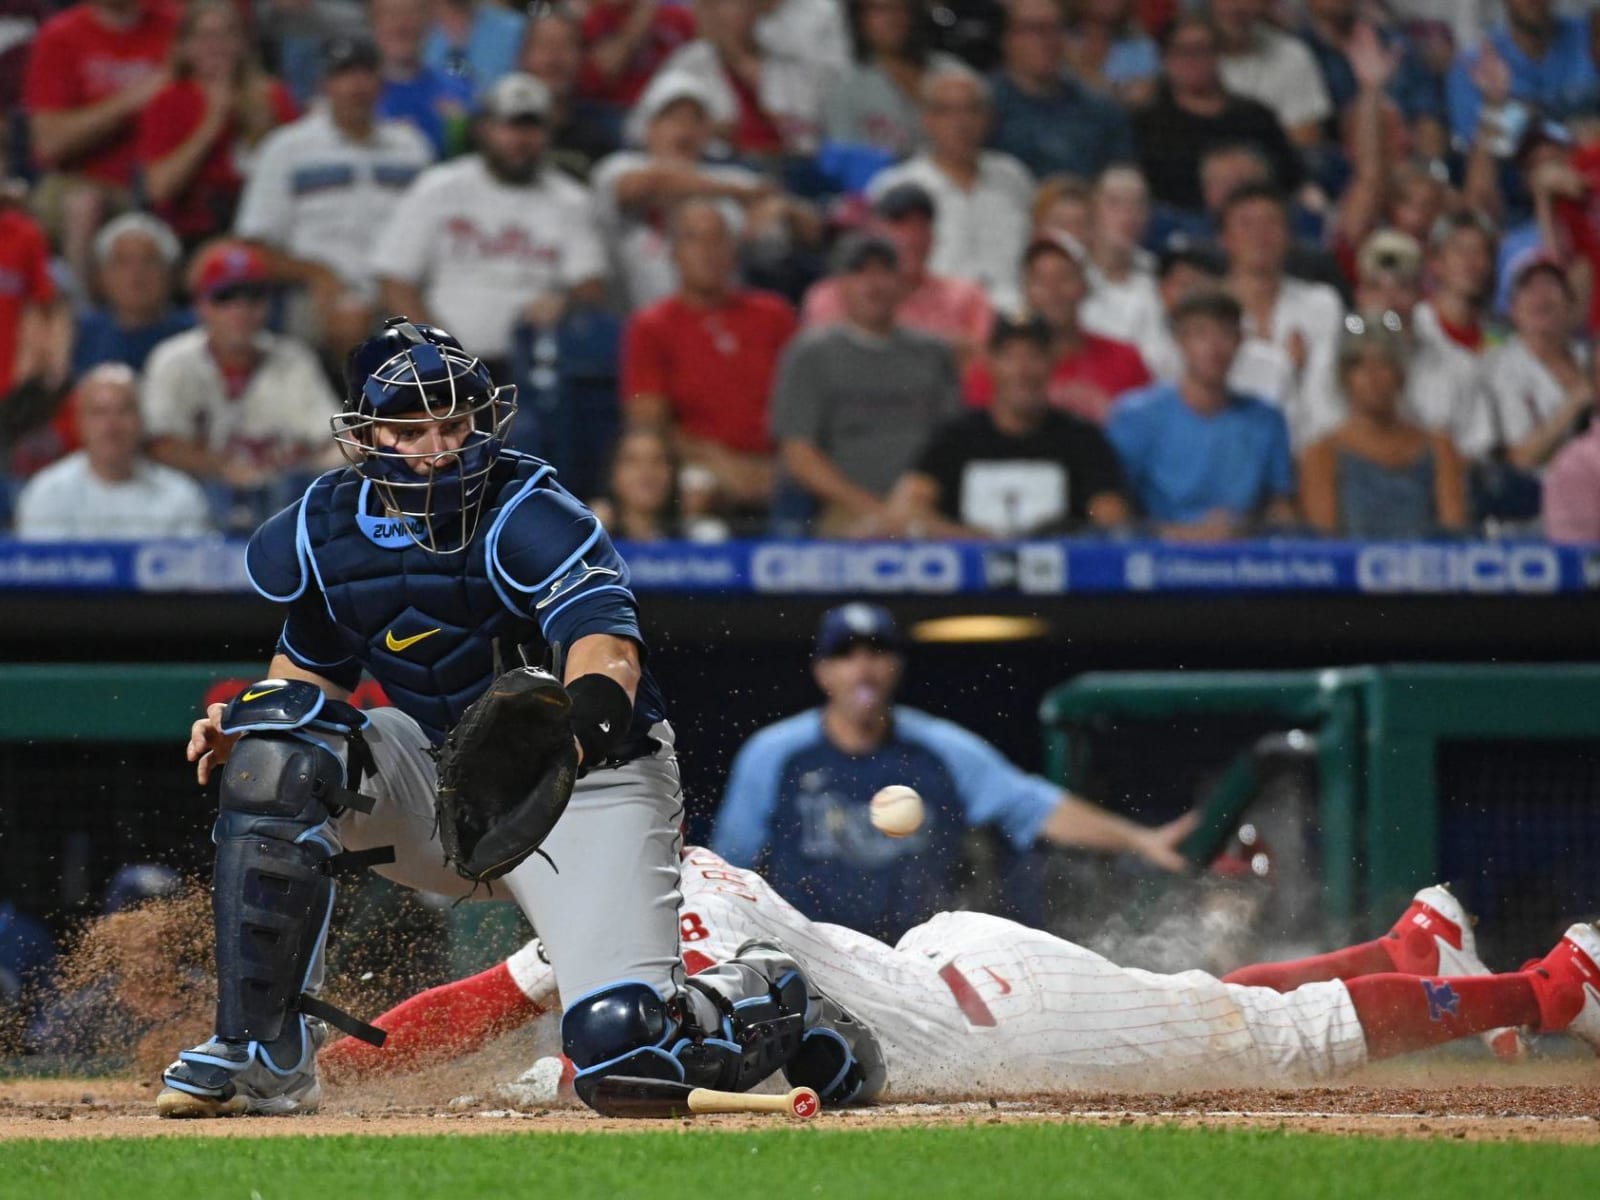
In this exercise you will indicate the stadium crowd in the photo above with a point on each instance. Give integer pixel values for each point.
(862, 268)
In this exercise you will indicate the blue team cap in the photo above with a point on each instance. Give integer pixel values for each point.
(852, 624)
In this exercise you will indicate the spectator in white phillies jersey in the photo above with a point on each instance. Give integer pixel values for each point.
(321, 189)
(499, 238)
(230, 402)
(974, 1005)
(109, 489)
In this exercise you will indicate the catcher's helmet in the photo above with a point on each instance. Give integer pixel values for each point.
(415, 374)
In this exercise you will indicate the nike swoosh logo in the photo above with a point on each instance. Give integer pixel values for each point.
(399, 644)
(568, 584)
(249, 696)
(1005, 987)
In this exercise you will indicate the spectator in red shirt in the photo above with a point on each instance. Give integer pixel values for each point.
(93, 68)
(956, 310)
(627, 41)
(195, 131)
(701, 362)
(1090, 371)
(35, 326)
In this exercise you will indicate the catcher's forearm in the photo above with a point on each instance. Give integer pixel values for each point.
(617, 658)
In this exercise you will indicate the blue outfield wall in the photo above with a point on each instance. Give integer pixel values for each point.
(819, 568)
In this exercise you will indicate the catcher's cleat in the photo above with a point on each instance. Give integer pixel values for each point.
(1567, 984)
(229, 1079)
(1434, 937)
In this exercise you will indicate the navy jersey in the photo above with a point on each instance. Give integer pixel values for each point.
(801, 806)
(540, 573)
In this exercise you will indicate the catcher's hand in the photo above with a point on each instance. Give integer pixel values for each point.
(506, 773)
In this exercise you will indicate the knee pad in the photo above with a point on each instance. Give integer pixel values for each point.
(623, 1029)
(272, 891)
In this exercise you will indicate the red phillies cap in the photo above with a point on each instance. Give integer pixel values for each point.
(230, 266)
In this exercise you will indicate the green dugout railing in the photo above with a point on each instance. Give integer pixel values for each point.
(1376, 735)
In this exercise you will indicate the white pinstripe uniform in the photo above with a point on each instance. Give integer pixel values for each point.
(972, 1004)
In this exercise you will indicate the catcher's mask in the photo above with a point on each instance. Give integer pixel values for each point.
(415, 375)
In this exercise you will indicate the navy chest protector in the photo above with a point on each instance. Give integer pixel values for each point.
(425, 625)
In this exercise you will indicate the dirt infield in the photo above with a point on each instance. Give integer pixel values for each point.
(1550, 1102)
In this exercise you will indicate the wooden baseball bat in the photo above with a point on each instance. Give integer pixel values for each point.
(630, 1096)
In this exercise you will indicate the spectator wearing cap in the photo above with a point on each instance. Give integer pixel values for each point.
(199, 131)
(321, 189)
(955, 310)
(1545, 61)
(1123, 303)
(436, 103)
(1379, 474)
(1263, 63)
(582, 130)
(874, 102)
(475, 40)
(135, 257)
(1570, 499)
(1444, 389)
(35, 322)
(981, 197)
(636, 190)
(1205, 463)
(699, 364)
(497, 238)
(766, 102)
(229, 401)
(625, 43)
(109, 490)
(1043, 117)
(1461, 264)
(1540, 387)
(798, 794)
(1087, 372)
(1291, 326)
(91, 70)
(1019, 468)
(1193, 111)
(855, 402)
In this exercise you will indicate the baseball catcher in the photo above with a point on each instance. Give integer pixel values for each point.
(433, 560)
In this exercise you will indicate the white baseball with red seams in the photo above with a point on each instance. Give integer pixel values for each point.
(979, 1005)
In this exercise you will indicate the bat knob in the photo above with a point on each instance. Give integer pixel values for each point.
(804, 1104)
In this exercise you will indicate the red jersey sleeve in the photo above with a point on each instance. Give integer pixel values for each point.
(978, 385)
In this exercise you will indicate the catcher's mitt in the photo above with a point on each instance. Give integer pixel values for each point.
(505, 774)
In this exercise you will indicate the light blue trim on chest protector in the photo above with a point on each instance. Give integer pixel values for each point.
(304, 575)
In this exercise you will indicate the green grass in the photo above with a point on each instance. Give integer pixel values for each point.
(972, 1162)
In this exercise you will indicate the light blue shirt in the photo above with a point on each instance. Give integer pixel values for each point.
(1182, 464)
(1560, 84)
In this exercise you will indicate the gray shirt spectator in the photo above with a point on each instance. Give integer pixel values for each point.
(854, 403)
(874, 100)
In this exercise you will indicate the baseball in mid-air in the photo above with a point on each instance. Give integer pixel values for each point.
(897, 811)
